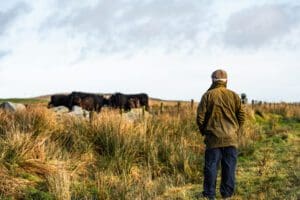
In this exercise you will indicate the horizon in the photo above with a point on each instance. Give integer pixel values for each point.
(249, 101)
(165, 50)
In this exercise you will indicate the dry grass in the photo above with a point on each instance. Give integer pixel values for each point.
(110, 157)
(59, 183)
(10, 185)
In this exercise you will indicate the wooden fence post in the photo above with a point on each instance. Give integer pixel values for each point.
(192, 104)
(161, 107)
(178, 107)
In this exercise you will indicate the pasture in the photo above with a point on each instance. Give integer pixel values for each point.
(43, 156)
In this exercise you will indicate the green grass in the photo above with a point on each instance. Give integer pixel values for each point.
(268, 169)
(35, 194)
(272, 170)
(23, 100)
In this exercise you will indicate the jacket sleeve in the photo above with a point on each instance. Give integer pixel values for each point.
(201, 112)
(240, 113)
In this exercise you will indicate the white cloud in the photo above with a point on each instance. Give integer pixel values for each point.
(3, 54)
(259, 26)
(115, 26)
(165, 49)
(7, 17)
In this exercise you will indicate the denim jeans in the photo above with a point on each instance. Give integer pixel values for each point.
(228, 158)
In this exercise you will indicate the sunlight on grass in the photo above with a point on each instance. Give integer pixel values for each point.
(44, 156)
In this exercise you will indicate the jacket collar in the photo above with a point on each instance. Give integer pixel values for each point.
(217, 84)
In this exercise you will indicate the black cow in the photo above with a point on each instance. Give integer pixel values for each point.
(128, 101)
(87, 101)
(133, 103)
(59, 100)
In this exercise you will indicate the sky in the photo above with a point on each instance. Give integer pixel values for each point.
(166, 48)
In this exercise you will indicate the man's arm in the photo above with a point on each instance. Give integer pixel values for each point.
(201, 111)
(240, 113)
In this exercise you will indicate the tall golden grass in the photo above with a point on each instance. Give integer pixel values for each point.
(107, 157)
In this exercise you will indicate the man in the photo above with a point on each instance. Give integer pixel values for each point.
(219, 116)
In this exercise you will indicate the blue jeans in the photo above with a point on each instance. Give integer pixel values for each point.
(228, 157)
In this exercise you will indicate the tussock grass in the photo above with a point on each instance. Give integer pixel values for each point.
(10, 185)
(45, 156)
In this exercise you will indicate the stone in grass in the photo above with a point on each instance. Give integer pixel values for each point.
(13, 107)
(79, 112)
(136, 114)
(60, 109)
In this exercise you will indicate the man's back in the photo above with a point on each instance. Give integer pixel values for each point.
(219, 116)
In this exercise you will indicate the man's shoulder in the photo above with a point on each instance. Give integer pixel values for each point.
(219, 91)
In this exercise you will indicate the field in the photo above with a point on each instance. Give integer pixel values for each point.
(159, 156)
(25, 100)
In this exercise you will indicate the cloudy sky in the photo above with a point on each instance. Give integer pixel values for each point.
(166, 48)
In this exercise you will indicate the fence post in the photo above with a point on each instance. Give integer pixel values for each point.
(161, 107)
(143, 111)
(192, 104)
(178, 107)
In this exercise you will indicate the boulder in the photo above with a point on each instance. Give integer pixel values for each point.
(9, 106)
(60, 109)
(79, 112)
(136, 114)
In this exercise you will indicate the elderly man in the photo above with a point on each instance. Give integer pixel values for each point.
(219, 116)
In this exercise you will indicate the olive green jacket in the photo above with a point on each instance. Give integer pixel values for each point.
(220, 114)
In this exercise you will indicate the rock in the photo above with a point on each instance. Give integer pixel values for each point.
(9, 106)
(77, 109)
(79, 112)
(20, 106)
(136, 114)
(60, 109)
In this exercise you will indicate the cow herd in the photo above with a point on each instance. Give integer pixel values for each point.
(95, 102)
